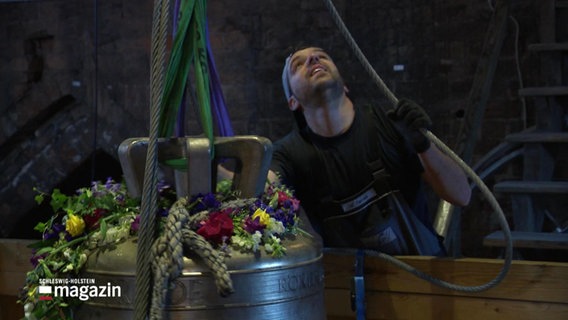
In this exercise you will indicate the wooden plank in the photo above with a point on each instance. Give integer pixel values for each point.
(523, 239)
(14, 264)
(532, 187)
(9, 309)
(395, 305)
(529, 281)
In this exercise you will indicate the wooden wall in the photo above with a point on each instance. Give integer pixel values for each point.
(14, 263)
(531, 290)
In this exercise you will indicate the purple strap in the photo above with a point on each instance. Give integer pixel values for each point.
(218, 106)
(220, 114)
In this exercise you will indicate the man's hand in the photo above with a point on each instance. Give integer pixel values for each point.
(410, 118)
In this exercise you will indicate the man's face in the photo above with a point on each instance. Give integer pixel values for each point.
(312, 72)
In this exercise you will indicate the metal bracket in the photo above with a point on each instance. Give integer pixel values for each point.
(252, 155)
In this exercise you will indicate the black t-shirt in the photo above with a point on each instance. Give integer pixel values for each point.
(330, 169)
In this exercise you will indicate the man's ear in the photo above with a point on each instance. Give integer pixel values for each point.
(345, 89)
(293, 103)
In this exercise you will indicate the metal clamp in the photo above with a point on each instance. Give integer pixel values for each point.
(253, 155)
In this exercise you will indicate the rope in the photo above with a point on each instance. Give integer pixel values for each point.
(212, 259)
(517, 65)
(168, 255)
(483, 188)
(149, 193)
(168, 250)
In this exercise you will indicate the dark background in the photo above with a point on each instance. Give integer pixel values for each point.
(74, 81)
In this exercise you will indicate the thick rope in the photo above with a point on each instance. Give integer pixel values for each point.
(212, 259)
(150, 193)
(168, 256)
(483, 188)
(169, 248)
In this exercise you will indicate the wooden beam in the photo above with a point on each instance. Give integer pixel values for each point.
(526, 281)
(524, 239)
(394, 305)
(14, 264)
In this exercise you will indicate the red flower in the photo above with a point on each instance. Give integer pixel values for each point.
(92, 219)
(282, 197)
(218, 227)
(285, 200)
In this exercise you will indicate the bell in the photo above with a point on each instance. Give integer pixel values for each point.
(265, 287)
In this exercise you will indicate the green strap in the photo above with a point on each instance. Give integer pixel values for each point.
(189, 46)
(202, 70)
(177, 72)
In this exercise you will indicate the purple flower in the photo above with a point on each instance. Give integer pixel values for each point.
(135, 225)
(284, 216)
(34, 260)
(252, 225)
(68, 236)
(111, 186)
(53, 233)
(119, 198)
(204, 202)
(163, 187)
(163, 212)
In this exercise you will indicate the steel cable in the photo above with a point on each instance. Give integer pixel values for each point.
(483, 188)
(150, 193)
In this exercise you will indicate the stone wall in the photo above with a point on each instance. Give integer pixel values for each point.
(75, 78)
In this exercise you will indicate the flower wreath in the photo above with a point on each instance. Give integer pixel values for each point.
(103, 215)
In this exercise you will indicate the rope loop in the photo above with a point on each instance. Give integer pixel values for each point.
(168, 252)
(477, 180)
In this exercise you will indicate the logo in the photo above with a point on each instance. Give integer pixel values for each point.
(44, 293)
(83, 289)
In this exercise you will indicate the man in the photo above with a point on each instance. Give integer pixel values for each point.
(358, 171)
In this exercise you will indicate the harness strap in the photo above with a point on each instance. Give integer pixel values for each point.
(358, 286)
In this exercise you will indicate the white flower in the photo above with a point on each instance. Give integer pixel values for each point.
(28, 309)
(67, 253)
(68, 268)
(275, 239)
(241, 242)
(116, 234)
(94, 239)
(256, 238)
(82, 260)
(275, 227)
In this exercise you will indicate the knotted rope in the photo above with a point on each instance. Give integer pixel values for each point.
(168, 256)
(168, 250)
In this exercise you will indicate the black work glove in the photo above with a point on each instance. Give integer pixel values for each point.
(409, 117)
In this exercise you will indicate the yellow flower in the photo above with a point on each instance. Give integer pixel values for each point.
(264, 217)
(74, 225)
(32, 292)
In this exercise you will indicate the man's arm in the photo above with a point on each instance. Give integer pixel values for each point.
(444, 176)
(442, 173)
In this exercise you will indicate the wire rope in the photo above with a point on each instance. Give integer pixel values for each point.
(469, 172)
